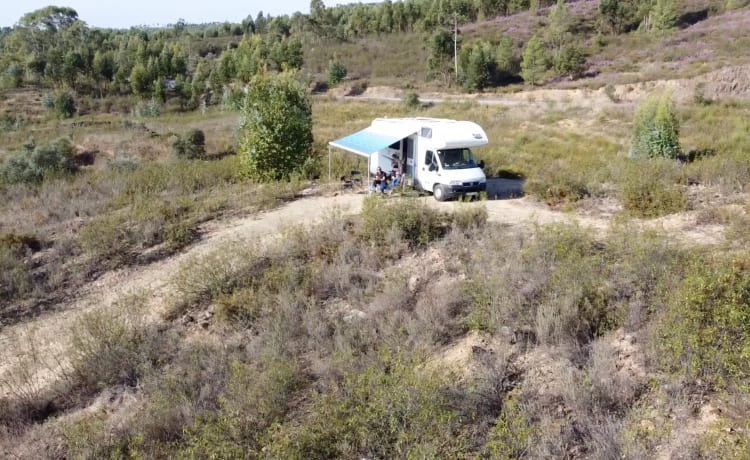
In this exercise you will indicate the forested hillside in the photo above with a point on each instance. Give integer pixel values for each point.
(497, 43)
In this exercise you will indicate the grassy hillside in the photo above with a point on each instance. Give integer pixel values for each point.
(153, 306)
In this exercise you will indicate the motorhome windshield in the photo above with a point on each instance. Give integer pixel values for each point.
(457, 159)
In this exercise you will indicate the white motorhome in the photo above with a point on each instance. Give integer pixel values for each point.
(435, 153)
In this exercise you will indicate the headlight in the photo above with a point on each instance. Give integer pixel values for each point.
(455, 182)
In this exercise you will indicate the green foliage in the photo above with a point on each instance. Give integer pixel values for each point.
(336, 72)
(15, 269)
(413, 222)
(441, 60)
(35, 162)
(150, 109)
(12, 76)
(611, 16)
(558, 34)
(114, 347)
(411, 100)
(704, 333)
(255, 400)
(393, 408)
(276, 128)
(507, 62)
(112, 240)
(141, 81)
(62, 104)
(656, 130)
(650, 188)
(479, 66)
(191, 145)
(571, 61)
(510, 437)
(735, 4)
(535, 61)
(663, 16)
(559, 183)
(10, 122)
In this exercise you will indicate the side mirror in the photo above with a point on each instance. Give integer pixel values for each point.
(433, 167)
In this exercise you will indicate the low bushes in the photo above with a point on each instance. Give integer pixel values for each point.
(15, 270)
(703, 333)
(115, 348)
(191, 145)
(37, 161)
(650, 188)
(390, 409)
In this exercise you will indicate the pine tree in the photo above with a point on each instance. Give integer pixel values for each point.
(535, 62)
(656, 130)
(663, 16)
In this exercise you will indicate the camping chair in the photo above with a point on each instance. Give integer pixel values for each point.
(354, 180)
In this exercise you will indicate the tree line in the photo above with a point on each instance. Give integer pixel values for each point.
(52, 47)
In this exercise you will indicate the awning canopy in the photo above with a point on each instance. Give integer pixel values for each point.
(369, 141)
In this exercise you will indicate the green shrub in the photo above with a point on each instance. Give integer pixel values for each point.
(656, 130)
(15, 269)
(736, 4)
(559, 183)
(611, 93)
(35, 162)
(411, 100)
(571, 62)
(650, 188)
(511, 434)
(115, 347)
(394, 408)
(415, 223)
(114, 239)
(470, 218)
(336, 72)
(10, 122)
(12, 77)
(191, 145)
(704, 332)
(256, 399)
(535, 61)
(150, 109)
(61, 103)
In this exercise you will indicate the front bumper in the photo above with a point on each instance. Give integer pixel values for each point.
(467, 187)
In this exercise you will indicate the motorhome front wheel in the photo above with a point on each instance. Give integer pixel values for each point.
(439, 192)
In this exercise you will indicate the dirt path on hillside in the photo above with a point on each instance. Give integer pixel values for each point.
(50, 333)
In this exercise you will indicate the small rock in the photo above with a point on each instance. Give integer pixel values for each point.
(413, 283)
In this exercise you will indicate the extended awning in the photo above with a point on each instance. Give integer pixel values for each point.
(367, 142)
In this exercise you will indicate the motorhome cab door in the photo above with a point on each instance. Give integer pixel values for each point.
(429, 171)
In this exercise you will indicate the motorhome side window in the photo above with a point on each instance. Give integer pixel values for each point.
(428, 158)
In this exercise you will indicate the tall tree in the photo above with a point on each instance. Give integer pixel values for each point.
(558, 33)
(441, 60)
(535, 61)
(276, 128)
(611, 16)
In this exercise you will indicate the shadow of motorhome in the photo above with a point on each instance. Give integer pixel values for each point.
(504, 189)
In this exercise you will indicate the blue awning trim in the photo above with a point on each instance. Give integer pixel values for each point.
(367, 141)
